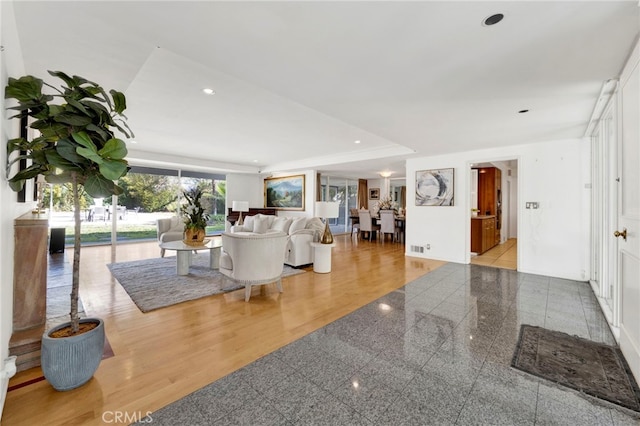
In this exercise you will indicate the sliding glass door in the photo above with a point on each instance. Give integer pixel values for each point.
(149, 194)
(343, 191)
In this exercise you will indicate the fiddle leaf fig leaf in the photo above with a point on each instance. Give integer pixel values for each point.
(103, 134)
(64, 77)
(98, 187)
(91, 154)
(77, 105)
(67, 150)
(83, 139)
(24, 89)
(113, 169)
(115, 149)
(59, 162)
(16, 186)
(72, 119)
(15, 145)
(119, 101)
(64, 177)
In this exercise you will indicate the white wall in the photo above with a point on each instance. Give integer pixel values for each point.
(552, 240)
(11, 64)
(244, 187)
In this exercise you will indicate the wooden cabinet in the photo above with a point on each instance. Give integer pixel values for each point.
(483, 233)
(31, 233)
(490, 196)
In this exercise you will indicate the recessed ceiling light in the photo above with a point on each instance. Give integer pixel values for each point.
(522, 111)
(255, 161)
(356, 142)
(208, 91)
(133, 141)
(493, 19)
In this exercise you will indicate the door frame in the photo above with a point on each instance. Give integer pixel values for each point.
(604, 212)
(518, 188)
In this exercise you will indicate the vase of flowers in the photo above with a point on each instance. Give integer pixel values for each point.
(385, 203)
(195, 218)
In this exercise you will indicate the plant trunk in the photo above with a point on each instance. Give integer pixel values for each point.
(75, 282)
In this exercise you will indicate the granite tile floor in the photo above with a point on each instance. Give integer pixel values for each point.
(436, 351)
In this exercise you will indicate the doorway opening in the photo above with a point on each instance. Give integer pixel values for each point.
(494, 213)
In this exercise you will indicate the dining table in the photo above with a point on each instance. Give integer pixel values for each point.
(375, 220)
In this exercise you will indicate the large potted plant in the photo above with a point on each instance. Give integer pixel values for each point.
(74, 142)
(195, 218)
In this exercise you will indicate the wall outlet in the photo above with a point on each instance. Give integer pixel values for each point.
(428, 246)
(531, 205)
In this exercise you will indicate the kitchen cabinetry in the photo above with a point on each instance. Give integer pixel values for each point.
(483, 233)
(490, 196)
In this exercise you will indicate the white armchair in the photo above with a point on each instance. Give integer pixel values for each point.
(253, 259)
(169, 229)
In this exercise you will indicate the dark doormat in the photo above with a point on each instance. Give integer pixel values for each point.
(593, 368)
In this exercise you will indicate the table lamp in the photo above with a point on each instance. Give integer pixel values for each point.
(327, 210)
(240, 206)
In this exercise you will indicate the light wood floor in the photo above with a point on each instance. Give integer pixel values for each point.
(503, 255)
(166, 354)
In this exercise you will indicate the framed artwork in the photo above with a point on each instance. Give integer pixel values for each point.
(434, 187)
(284, 193)
(374, 193)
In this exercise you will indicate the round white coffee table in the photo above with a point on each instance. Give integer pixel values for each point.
(183, 257)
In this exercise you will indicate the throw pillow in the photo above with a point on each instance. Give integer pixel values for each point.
(297, 224)
(281, 224)
(260, 225)
(248, 223)
(315, 223)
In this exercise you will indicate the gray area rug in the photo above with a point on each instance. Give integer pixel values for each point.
(593, 368)
(153, 283)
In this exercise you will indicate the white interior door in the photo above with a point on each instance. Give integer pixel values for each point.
(628, 245)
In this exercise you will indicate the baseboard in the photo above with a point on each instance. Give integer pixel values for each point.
(630, 352)
(7, 372)
(4, 384)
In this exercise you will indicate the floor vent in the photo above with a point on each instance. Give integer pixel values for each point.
(417, 249)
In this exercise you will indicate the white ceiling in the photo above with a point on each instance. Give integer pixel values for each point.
(298, 82)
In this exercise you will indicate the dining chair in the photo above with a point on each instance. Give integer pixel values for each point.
(355, 221)
(366, 223)
(99, 212)
(388, 224)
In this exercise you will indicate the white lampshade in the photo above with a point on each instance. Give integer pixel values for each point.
(240, 206)
(327, 209)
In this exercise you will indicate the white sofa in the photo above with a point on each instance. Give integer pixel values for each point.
(169, 229)
(301, 231)
(253, 259)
